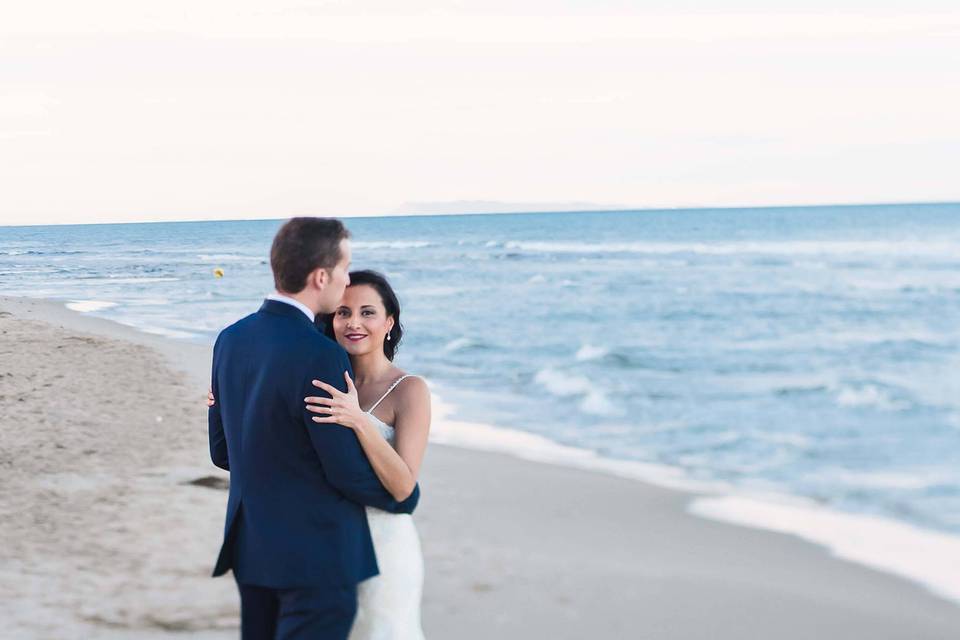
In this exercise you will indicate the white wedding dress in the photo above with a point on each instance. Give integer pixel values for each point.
(388, 605)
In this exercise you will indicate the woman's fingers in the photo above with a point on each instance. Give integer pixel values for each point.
(317, 409)
(318, 400)
(328, 419)
(326, 387)
(350, 387)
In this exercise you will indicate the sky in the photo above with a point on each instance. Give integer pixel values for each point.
(112, 110)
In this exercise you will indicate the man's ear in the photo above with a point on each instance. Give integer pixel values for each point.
(320, 278)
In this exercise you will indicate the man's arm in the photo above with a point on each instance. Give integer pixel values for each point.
(218, 441)
(344, 463)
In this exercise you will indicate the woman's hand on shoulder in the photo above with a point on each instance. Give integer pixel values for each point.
(340, 408)
(210, 399)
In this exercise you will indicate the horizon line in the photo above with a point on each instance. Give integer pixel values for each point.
(517, 212)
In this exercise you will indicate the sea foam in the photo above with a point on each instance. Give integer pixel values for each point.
(229, 257)
(459, 344)
(838, 249)
(392, 244)
(562, 384)
(590, 352)
(594, 400)
(870, 396)
(89, 306)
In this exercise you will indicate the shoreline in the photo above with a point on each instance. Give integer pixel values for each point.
(894, 547)
(525, 473)
(897, 548)
(678, 208)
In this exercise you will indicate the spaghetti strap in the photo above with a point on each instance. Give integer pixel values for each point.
(392, 387)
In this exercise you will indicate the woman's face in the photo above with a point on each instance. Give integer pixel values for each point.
(360, 322)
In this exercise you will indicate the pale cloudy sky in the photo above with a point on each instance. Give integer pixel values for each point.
(116, 110)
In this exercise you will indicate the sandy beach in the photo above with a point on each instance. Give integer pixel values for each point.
(111, 515)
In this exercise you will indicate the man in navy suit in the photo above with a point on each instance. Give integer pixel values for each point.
(296, 533)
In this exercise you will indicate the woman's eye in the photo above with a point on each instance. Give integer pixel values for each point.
(368, 313)
(341, 313)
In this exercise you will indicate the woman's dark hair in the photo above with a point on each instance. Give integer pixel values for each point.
(303, 245)
(390, 303)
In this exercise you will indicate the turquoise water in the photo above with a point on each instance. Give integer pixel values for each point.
(809, 350)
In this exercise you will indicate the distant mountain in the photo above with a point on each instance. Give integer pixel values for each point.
(496, 206)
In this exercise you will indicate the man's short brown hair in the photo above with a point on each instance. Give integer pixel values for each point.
(303, 245)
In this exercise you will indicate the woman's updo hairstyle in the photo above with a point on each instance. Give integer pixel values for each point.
(390, 303)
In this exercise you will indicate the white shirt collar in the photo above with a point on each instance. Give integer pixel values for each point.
(279, 297)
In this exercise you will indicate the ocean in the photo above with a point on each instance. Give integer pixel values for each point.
(805, 351)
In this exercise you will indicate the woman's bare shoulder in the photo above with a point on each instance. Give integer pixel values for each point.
(413, 389)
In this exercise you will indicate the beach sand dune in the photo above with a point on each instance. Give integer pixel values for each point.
(111, 515)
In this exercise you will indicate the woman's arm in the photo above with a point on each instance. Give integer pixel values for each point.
(396, 469)
(386, 462)
(412, 423)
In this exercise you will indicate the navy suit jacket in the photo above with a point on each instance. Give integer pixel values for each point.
(295, 515)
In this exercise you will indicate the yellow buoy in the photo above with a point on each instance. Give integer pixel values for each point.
(218, 272)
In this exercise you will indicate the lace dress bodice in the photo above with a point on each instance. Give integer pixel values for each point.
(386, 430)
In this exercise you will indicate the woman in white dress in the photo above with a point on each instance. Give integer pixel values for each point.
(393, 432)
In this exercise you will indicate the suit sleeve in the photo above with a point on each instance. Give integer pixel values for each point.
(344, 463)
(218, 441)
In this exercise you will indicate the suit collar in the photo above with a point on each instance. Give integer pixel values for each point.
(307, 311)
(284, 309)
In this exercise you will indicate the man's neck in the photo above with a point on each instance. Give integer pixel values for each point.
(301, 298)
